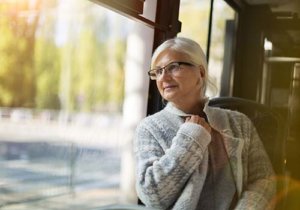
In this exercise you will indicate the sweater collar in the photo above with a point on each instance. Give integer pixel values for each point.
(170, 107)
(215, 116)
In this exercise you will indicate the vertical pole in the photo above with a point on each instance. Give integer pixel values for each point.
(73, 157)
(209, 29)
(138, 56)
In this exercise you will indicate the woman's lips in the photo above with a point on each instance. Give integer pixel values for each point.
(169, 87)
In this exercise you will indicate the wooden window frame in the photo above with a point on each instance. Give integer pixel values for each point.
(129, 7)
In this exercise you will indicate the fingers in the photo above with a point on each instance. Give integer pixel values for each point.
(199, 120)
(195, 119)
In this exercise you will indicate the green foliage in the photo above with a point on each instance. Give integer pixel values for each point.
(96, 70)
(195, 22)
(17, 77)
(87, 71)
(97, 74)
(47, 65)
(83, 73)
(117, 91)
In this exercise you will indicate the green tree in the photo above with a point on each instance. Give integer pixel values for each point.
(47, 65)
(85, 71)
(117, 77)
(17, 40)
(47, 59)
(94, 66)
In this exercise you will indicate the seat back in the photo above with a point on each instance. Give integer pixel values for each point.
(269, 126)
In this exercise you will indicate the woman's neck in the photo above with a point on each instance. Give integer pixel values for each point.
(195, 108)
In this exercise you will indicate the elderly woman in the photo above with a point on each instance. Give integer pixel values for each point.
(192, 156)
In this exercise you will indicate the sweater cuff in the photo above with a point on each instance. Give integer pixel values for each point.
(198, 133)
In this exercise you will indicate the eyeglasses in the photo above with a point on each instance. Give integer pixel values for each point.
(172, 68)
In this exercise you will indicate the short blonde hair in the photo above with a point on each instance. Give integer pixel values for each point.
(188, 47)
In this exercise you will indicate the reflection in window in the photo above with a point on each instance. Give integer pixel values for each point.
(61, 98)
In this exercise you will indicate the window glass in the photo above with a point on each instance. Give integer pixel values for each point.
(220, 61)
(62, 93)
(194, 15)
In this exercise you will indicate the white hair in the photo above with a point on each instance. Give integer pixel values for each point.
(188, 47)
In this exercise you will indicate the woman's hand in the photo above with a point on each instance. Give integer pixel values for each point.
(200, 121)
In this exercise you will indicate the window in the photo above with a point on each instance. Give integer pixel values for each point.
(194, 15)
(70, 72)
(220, 65)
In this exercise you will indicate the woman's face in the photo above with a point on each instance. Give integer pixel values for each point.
(186, 86)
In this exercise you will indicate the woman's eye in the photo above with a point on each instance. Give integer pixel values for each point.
(159, 71)
(172, 67)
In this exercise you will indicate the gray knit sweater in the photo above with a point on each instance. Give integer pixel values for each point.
(172, 159)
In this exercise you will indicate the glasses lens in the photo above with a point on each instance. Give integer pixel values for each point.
(159, 72)
(172, 68)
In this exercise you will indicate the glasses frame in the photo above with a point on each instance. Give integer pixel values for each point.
(153, 72)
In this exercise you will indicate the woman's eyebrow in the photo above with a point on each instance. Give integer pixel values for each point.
(175, 61)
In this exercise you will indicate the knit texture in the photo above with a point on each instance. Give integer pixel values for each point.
(172, 159)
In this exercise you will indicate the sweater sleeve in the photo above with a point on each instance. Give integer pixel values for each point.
(162, 174)
(261, 185)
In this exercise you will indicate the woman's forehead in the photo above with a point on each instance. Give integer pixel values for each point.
(170, 55)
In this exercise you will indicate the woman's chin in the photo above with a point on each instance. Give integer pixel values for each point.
(169, 97)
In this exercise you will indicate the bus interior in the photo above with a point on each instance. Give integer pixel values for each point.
(253, 52)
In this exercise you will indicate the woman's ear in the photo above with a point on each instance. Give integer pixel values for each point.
(202, 71)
